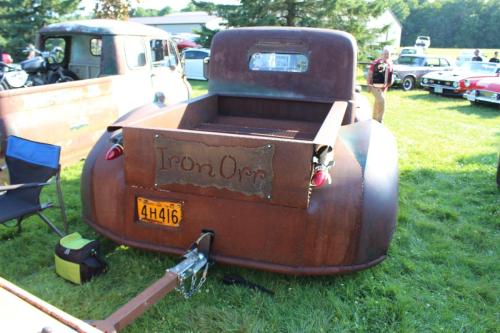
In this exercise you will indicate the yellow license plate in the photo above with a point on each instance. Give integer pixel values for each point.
(159, 212)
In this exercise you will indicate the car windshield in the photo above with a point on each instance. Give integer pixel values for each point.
(412, 61)
(408, 51)
(480, 67)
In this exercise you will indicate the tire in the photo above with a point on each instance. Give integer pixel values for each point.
(3, 86)
(408, 83)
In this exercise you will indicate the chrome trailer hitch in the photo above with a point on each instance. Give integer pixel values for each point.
(196, 260)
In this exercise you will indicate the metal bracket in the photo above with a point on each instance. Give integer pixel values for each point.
(195, 260)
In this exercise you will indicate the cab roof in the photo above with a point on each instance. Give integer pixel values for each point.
(103, 27)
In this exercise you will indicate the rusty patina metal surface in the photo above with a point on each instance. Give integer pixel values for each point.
(71, 115)
(239, 169)
(337, 228)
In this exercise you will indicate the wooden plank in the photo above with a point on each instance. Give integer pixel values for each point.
(24, 312)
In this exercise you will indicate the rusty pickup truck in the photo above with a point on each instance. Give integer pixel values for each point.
(272, 161)
(119, 66)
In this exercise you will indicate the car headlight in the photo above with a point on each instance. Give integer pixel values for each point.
(455, 84)
(424, 80)
(466, 83)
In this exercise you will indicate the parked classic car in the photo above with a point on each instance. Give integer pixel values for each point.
(485, 91)
(408, 69)
(185, 40)
(411, 50)
(467, 55)
(457, 81)
(193, 62)
(120, 65)
(271, 161)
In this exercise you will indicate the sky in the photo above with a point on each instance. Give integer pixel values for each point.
(176, 5)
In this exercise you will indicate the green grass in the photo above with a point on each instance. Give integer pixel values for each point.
(199, 87)
(441, 275)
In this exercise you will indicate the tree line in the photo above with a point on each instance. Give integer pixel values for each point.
(449, 23)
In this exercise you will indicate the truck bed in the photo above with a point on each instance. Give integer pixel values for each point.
(287, 129)
(260, 117)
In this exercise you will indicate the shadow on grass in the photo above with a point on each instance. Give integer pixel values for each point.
(481, 110)
(481, 159)
(425, 95)
(440, 258)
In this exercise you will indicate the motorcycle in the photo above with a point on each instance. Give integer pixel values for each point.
(45, 67)
(12, 77)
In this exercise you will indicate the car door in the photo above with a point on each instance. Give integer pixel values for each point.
(135, 85)
(193, 64)
(167, 76)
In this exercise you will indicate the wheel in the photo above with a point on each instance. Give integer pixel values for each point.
(3, 86)
(408, 83)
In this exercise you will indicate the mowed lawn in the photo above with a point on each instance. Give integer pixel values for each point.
(441, 275)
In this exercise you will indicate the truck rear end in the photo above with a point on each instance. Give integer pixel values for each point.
(270, 161)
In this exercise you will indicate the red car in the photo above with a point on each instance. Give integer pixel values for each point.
(184, 43)
(485, 91)
(457, 81)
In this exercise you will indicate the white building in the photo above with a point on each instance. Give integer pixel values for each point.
(393, 34)
(181, 22)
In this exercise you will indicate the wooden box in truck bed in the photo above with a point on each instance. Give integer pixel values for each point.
(241, 161)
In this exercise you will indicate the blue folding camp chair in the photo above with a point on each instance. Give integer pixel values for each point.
(31, 165)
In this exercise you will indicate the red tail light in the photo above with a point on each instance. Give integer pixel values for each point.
(319, 178)
(114, 152)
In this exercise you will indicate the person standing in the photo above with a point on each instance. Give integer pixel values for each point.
(476, 56)
(379, 80)
(495, 57)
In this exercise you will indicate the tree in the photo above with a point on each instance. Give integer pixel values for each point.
(402, 8)
(191, 7)
(454, 23)
(149, 12)
(165, 11)
(206, 36)
(347, 15)
(21, 19)
(112, 9)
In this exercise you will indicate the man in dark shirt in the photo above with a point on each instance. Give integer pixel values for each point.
(495, 57)
(476, 56)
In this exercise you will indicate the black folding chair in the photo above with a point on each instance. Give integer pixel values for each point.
(31, 165)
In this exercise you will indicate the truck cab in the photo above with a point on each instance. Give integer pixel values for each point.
(118, 66)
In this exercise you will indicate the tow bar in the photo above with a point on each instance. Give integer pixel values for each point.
(195, 260)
